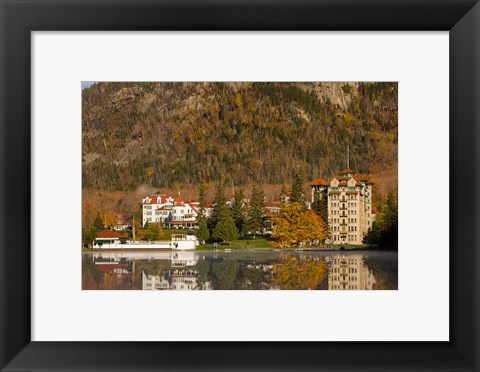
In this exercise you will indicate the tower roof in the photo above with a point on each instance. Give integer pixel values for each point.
(178, 201)
(319, 182)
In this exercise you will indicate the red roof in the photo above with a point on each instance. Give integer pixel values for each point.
(348, 170)
(361, 177)
(153, 198)
(108, 234)
(164, 207)
(178, 201)
(319, 182)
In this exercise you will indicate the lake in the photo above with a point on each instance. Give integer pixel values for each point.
(240, 270)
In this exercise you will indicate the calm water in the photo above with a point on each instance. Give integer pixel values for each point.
(240, 270)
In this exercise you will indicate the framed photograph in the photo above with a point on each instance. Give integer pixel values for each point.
(239, 185)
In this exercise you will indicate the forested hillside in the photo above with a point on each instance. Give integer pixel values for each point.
(162, 134)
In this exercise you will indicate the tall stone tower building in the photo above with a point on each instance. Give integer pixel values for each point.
(349, 199)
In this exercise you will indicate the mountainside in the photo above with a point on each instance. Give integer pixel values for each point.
(161, 134)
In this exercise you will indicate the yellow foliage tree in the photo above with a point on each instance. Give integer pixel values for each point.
(295, 225)
(109, 218)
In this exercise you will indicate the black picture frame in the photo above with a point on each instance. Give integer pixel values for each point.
(18, 18)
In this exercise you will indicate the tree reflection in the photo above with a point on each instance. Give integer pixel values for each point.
(293, 273)
(224, 273)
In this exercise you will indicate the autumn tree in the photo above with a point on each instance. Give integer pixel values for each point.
(109, 218)
(296, 225)
(256, 209)
(153, 231)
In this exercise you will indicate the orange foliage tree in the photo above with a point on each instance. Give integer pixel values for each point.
(295, 225)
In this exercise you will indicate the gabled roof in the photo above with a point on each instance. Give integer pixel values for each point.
(153, 198)
(348, 170)
(108, 234)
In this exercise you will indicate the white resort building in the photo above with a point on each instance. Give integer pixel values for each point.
(172, 212)
(350, 211)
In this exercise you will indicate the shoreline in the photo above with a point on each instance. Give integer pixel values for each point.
(155, 250)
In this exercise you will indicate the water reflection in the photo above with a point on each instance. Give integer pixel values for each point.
(262, 270)
(347, 273)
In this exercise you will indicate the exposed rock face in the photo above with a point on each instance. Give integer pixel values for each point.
(243, 132)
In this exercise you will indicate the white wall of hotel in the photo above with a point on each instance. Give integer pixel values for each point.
(178, 242)
(159, 208)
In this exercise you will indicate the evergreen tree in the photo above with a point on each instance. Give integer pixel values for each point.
(298, 193)
(238, 209)
(320, 204)
(384, 230)
(98, 223)
(88, 235)
(202, 232)
(203, 202)
(254, 223)
(220, 210)
(226, 231)
(316, 207)
(217, 231)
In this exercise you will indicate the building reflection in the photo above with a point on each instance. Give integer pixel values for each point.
(187, 270)
(350, 273)
(180, 276)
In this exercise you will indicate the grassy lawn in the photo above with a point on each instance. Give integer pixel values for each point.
(243, 244)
